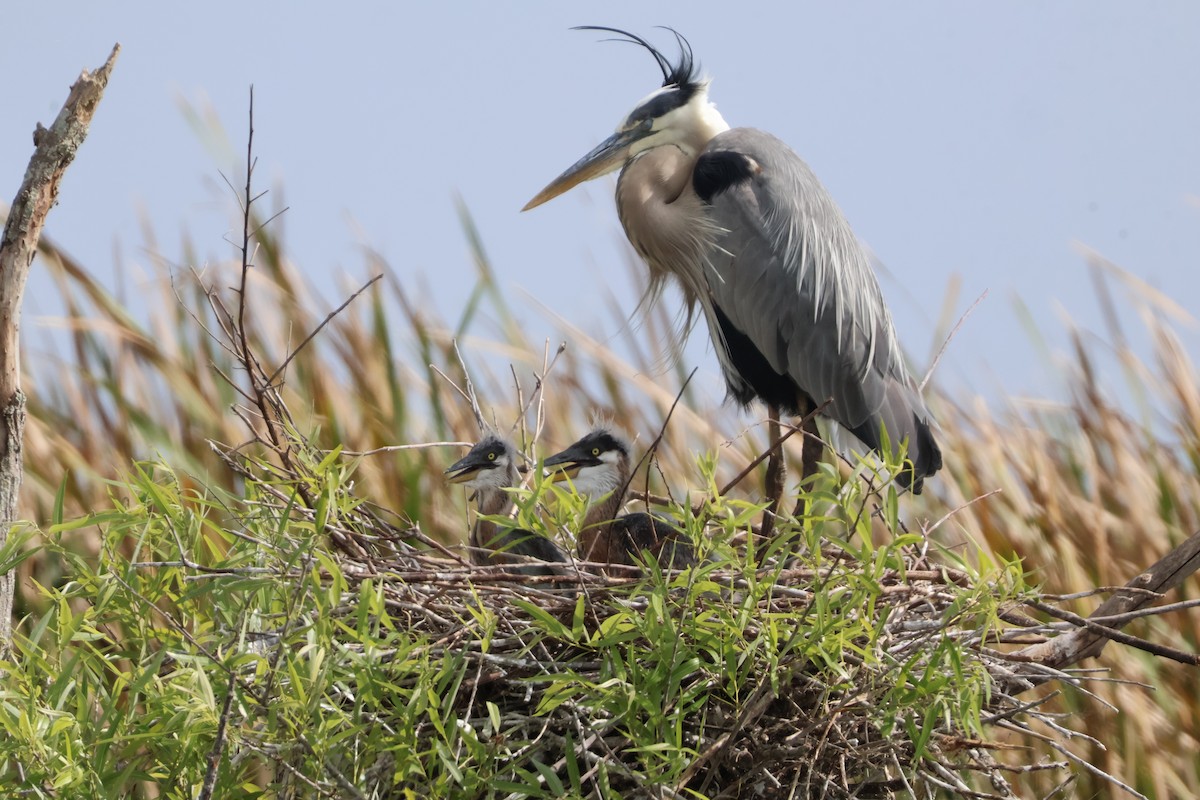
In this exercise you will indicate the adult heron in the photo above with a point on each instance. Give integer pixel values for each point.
(758, 245)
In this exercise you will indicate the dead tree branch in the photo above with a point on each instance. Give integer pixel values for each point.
(54, 150)
(1091, 637)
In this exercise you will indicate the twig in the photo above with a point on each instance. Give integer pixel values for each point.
(653, 448)
(1058, 598)
(328, 318)
(1110, 619)
(539, 389)
(472, 398)
(756, 461)
(391, 448)
(1108, 632)
(949, 337)
(461, 391)
(1080, 760)
(245, 248)
(791, 431)
(959, 508)
(218, 748)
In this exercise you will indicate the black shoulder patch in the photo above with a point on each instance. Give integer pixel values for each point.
(716, 172)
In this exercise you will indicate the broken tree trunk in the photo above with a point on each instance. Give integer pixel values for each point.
(54, 150)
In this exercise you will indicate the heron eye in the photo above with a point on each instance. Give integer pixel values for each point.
(595, 451)
(635, 123)
(491, 456)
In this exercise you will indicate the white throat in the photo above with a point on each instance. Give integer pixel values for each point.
(598, 482)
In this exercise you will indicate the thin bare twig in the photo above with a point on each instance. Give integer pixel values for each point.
(218, 748)
(1108, 632)
(791, 431)
(393, 448)
(653, 448)
(949, 338)
(472, 398)
(320, 326)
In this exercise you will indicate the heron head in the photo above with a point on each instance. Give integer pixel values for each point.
(678, 113)
(596, 464)
(490, 464)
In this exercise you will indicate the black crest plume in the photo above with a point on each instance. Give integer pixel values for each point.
(685, 73)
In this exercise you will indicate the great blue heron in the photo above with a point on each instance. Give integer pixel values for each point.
(756, 242)
(599, 468)
(489, 468)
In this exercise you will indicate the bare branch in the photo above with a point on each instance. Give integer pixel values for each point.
(54, 150)
(328, 318)
(1091, 637)
(393, 448)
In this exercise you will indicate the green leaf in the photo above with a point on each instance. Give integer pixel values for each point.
(546, 621)
(550, 777)
(16, 549)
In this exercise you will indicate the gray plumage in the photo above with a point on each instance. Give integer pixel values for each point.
(790, 274)
(758, 245)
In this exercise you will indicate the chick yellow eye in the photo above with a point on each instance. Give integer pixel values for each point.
(595, 451)
(491, 456)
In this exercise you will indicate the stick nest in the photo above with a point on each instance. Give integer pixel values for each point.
(800, 667)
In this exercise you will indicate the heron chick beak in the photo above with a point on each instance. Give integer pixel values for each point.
(563, 472)
(464, 469)
(567, 464)
(606, 157)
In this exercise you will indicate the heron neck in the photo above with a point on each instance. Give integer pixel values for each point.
(709, 123)
(605, 509)
(657, 175)
(665, 220)
(490, 502)
(599, 519)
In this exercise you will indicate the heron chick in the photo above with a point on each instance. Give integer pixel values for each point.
(599, 467)
(755, 242)
(489, 469)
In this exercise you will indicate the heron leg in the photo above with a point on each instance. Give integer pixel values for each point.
(810, 456)
(776, 471)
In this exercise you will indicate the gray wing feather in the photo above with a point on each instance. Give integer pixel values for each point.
(789, 273)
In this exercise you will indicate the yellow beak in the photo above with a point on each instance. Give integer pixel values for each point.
(606, 157)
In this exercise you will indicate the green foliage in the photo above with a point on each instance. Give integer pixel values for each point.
(210, 614)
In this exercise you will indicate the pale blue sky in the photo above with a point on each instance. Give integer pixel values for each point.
(961, 139)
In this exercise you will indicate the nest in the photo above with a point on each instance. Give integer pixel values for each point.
(809, 669)
(786, 729)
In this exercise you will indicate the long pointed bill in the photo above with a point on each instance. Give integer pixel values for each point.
(608, 156)
(568, 463)
(464, 469)
(462, 475)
